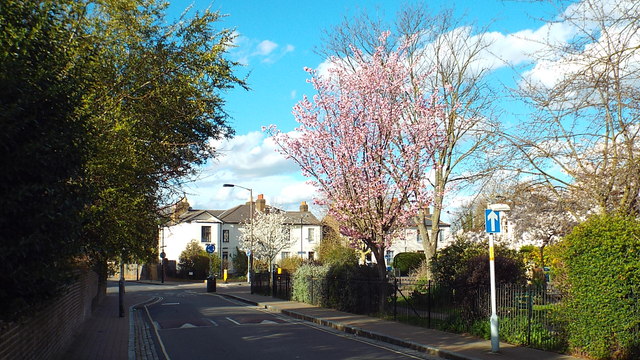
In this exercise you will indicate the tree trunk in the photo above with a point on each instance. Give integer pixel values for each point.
(382, 283)
(428, 242)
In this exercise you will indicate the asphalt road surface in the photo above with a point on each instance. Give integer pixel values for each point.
(192, 324)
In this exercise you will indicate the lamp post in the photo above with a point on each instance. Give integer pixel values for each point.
(491, 229)
(250, 257)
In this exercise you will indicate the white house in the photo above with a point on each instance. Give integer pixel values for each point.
(221, 228)
(409, 240)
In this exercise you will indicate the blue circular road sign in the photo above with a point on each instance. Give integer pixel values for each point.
(211, 248)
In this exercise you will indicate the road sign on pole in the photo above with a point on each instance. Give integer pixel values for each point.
(492, 226)
(211, 248)
(492, 221)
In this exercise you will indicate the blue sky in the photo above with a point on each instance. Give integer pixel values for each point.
(276, 40)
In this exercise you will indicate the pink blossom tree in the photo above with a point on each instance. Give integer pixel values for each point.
(366, 141)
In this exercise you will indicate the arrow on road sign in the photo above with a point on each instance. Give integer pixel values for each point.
(211, 248)
(492, 220)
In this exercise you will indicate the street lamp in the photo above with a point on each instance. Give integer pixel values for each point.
(250, 257)
(495, 337)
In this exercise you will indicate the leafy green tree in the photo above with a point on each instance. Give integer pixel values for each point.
(42, 151)
(602, 272)
(194, 259)
(240, 262)
(155, 104)
(106, 109)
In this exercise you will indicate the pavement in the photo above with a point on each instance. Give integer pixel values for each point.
(107, 336)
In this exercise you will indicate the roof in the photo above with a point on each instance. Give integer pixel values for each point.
(241, 213)
(195, 215)
(306, 217)
(428, 222)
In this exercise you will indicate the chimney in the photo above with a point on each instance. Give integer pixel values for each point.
(261, 203)
(180, 208)
(304, 207)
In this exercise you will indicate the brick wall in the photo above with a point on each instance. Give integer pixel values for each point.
(50, 332)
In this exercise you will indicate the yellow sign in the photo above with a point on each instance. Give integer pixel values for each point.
(491, 257)
(225, 275)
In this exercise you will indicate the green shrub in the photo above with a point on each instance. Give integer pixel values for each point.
(407, 261)
(355, 289)
(239, 261)
(519, 330)
(464, 266)
(602, 265)
(195, 260)
(291, 264)
(309, 284)
(332, 251)
(451, 264)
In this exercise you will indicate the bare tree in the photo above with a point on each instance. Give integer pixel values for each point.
(539, 216)
(454, 55)
(583, 138)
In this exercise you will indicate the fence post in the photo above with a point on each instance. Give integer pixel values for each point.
(529, 312)
(395, 298)
(274, 285)
(429, 304)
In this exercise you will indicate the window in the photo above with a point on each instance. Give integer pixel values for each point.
(418, 237)
(225, 235)
(284, 255)
(310, 234)
(206, 234)
(311, 255)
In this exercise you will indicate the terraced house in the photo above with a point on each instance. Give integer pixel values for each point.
(222, 229)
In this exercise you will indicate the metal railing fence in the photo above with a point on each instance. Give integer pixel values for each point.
(527, 314)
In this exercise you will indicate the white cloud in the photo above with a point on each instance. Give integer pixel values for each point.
(590, 30)
(247, 50)
(265, 47)
(249, 160)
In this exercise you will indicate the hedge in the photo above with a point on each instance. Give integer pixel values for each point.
(602, 259)
(407, 261)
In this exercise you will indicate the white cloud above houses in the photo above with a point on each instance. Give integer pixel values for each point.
(251, 161)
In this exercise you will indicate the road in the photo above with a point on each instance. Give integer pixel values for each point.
(192, 324)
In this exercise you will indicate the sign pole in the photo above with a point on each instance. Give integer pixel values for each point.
(495, 337)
